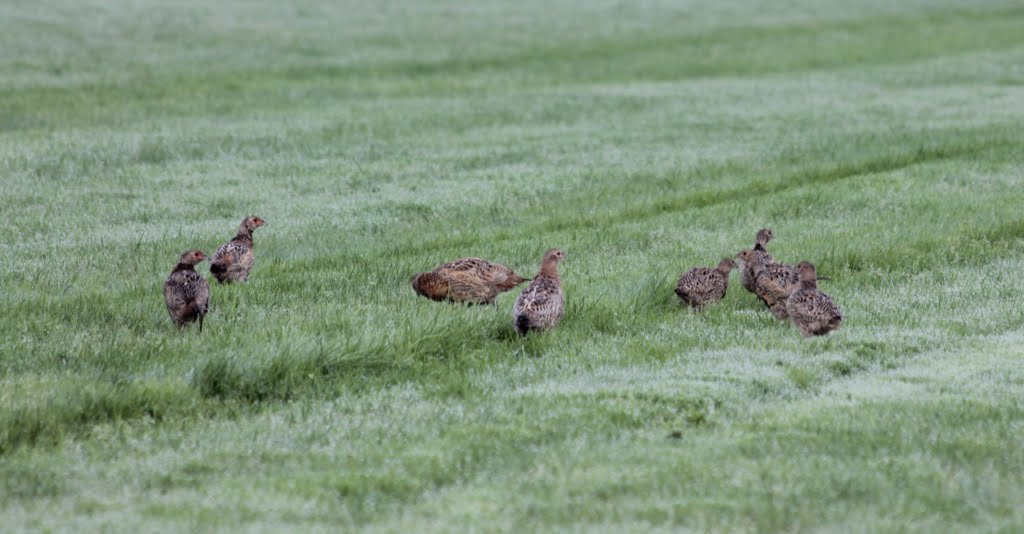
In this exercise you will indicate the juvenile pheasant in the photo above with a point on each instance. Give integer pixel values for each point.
(186, 293)
(812, 311)
(470, 280)
(762, 238)
(232, 262)
(540, 305)
(703, 285)
(772, 282)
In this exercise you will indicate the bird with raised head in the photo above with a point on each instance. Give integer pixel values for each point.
(468, 280)
(541, 304)
(812, 311)
(233, 261)
(773, 282)
(701, 286)
(762, 238)
(186, 293)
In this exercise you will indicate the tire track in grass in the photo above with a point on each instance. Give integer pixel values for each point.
(981, 140)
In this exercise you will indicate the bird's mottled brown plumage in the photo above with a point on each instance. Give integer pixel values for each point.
(772, 282)
(541, 304)
(233, 261)
(701, 286)
(470, 280)
(762, 238)
(186, 293)
(812, 311)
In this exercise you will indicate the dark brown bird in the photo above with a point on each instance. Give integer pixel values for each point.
(186, 293)
(540, 305)
(233, 261)
(772, 282)
(762, 238)
(812, 311)
(469, 280)
(701, 286)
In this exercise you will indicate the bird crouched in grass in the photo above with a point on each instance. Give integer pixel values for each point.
(540, 305)
(772, 282)
(233, 261)
(812, 311)
(762, 238)
(703, 285)
(186, 293)
(469, 280)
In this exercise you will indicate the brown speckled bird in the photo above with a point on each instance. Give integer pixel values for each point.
(540, 305)
(186, 293)
(762, 238)
(233, 261)
(469, 280)
(812, 311)
(772, 282)
(701, 286)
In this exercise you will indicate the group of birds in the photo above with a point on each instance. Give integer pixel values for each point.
(478, 281)
(187, 293)
(789, 292)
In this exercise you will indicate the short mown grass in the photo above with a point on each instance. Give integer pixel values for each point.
(880, 141)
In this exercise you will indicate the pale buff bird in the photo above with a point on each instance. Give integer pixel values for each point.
(812, 311)
(701, 286)
(540, 305)
(762, 238)
(469, 280)
(772, 282)
(233, 261)
(186, 293)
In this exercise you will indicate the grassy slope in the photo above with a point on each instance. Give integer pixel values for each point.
(881, 142)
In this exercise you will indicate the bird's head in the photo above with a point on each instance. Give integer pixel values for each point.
(253, 222)
(554, 255)
(192, 257)
(807, 271)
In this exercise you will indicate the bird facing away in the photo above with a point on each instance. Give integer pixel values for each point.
(186, 293)
(812, 311)
(469, 280)
(773, 282)
(762, 238)
(232, 262)
(703, 285)
(540, 305)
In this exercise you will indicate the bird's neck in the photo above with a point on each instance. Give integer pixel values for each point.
(244, 235)
(549, 269)
(184, 267)
(809, 284)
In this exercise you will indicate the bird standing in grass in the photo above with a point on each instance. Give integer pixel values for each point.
(773, 282)
(540, 305)
(233, 261)
(762, 238)
(703, 285)
(186, 293)
(812, 311)
(469, 280)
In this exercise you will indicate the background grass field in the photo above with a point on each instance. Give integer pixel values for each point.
(880, 140)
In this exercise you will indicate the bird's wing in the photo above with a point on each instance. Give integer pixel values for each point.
(229, 253)
(543, 298)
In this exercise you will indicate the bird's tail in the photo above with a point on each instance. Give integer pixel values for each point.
(218, 271)
(522, 324)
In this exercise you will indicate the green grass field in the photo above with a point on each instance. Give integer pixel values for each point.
(880, 140)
